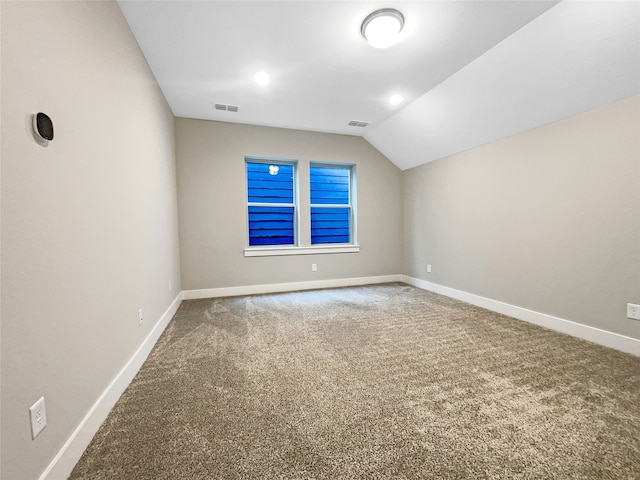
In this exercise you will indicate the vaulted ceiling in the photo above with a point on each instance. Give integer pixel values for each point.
(470, 72)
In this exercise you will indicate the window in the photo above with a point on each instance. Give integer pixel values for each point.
(274, 210)
(331, 203)
(271, 202)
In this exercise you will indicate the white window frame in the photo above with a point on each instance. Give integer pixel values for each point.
(295, 204)
(351, 205)
(298, 249)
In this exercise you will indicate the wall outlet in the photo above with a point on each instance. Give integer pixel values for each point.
(633, 311)
(38, 416)
(314, 267)
(428, 268)
(140, 317)
(170, 285)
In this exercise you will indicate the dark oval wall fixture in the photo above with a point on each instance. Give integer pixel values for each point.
(43, 126)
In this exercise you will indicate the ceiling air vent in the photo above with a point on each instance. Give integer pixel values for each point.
(358, 123)
(228, 108)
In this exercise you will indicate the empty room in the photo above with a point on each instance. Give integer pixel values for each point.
(319, 239)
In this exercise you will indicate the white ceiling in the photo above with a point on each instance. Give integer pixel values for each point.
(470, 71)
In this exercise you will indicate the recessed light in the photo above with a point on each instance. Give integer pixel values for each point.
(382, 27)
(396, 99)
(262, 78)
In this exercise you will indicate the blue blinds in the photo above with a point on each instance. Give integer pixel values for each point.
(330, 204)
(271, 205)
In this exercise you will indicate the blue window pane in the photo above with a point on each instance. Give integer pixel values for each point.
(269, 183)
(271, 225)
(329, 186)
(330, 225)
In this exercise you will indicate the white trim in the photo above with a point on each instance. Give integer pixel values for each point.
(286, 287)
(66, 459)
(585, 332)
(272, 251)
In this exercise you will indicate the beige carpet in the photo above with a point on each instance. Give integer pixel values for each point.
(374, 382)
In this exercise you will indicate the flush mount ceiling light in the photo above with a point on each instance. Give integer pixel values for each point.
(261, 78)
(382, 27)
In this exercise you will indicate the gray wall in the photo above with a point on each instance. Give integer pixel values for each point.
(89, 223)
(547, 220)
(212, 202)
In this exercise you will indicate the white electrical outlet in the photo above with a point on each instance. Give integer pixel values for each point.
(140, 317)
(38, 416)
(170, 285)
(633, 311)
(314, 267)
(428, 268)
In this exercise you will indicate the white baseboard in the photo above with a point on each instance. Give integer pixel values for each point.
(286, 287)
(585, 332)
(63, 463)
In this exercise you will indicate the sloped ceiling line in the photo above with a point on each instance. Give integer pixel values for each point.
(573, 58)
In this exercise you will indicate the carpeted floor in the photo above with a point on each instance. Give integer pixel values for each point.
(375, 382)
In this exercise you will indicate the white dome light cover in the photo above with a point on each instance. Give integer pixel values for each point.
(382, 27)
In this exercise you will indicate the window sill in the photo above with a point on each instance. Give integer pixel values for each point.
(274, 251)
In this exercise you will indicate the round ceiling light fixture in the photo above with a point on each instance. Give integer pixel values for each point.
(382, 27)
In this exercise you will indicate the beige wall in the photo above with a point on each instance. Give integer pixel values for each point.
(89, 223)
(212, 202)
(547, 220)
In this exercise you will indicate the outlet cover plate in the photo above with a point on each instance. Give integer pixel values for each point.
(633, 311)
(38, 416)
